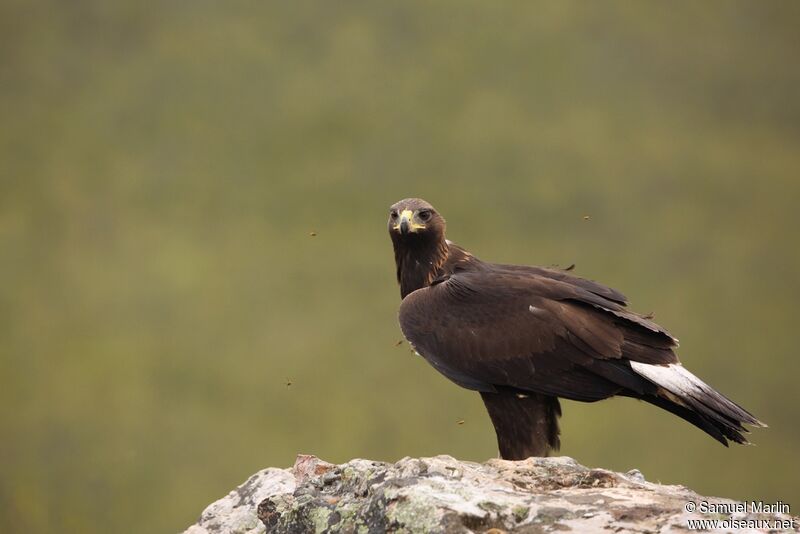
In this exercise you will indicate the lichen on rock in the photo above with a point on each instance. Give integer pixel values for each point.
(442, 494)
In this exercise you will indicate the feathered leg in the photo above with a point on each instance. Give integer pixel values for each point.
(526, 425)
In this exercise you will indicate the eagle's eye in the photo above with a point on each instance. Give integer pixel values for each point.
(424, 215)
(393, 214)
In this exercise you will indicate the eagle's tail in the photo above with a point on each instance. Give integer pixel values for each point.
(526, 424)
(683, 394)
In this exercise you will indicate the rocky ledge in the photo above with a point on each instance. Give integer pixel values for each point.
(442, 494)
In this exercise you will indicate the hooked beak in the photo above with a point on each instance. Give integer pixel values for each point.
(405, 224)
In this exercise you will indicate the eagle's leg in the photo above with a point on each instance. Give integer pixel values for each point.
(526, 424)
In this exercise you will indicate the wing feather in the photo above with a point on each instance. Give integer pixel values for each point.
(513, 328)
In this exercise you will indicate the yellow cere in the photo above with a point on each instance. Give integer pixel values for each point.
(408, 215)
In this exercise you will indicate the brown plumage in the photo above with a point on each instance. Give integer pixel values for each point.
(525, 336)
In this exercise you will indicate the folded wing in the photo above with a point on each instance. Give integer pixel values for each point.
(542, 331)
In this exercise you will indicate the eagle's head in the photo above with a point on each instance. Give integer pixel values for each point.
(415, 220)
(420, 249)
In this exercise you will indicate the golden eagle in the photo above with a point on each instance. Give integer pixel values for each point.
(524, 336)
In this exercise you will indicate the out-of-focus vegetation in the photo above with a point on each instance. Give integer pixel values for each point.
(163, 166)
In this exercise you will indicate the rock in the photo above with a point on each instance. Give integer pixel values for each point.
(442, 494)
(236, 512)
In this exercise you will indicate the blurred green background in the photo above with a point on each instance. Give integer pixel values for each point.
(162, 168)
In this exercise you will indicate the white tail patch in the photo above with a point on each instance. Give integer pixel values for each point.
(673, 377)
(682, 387)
